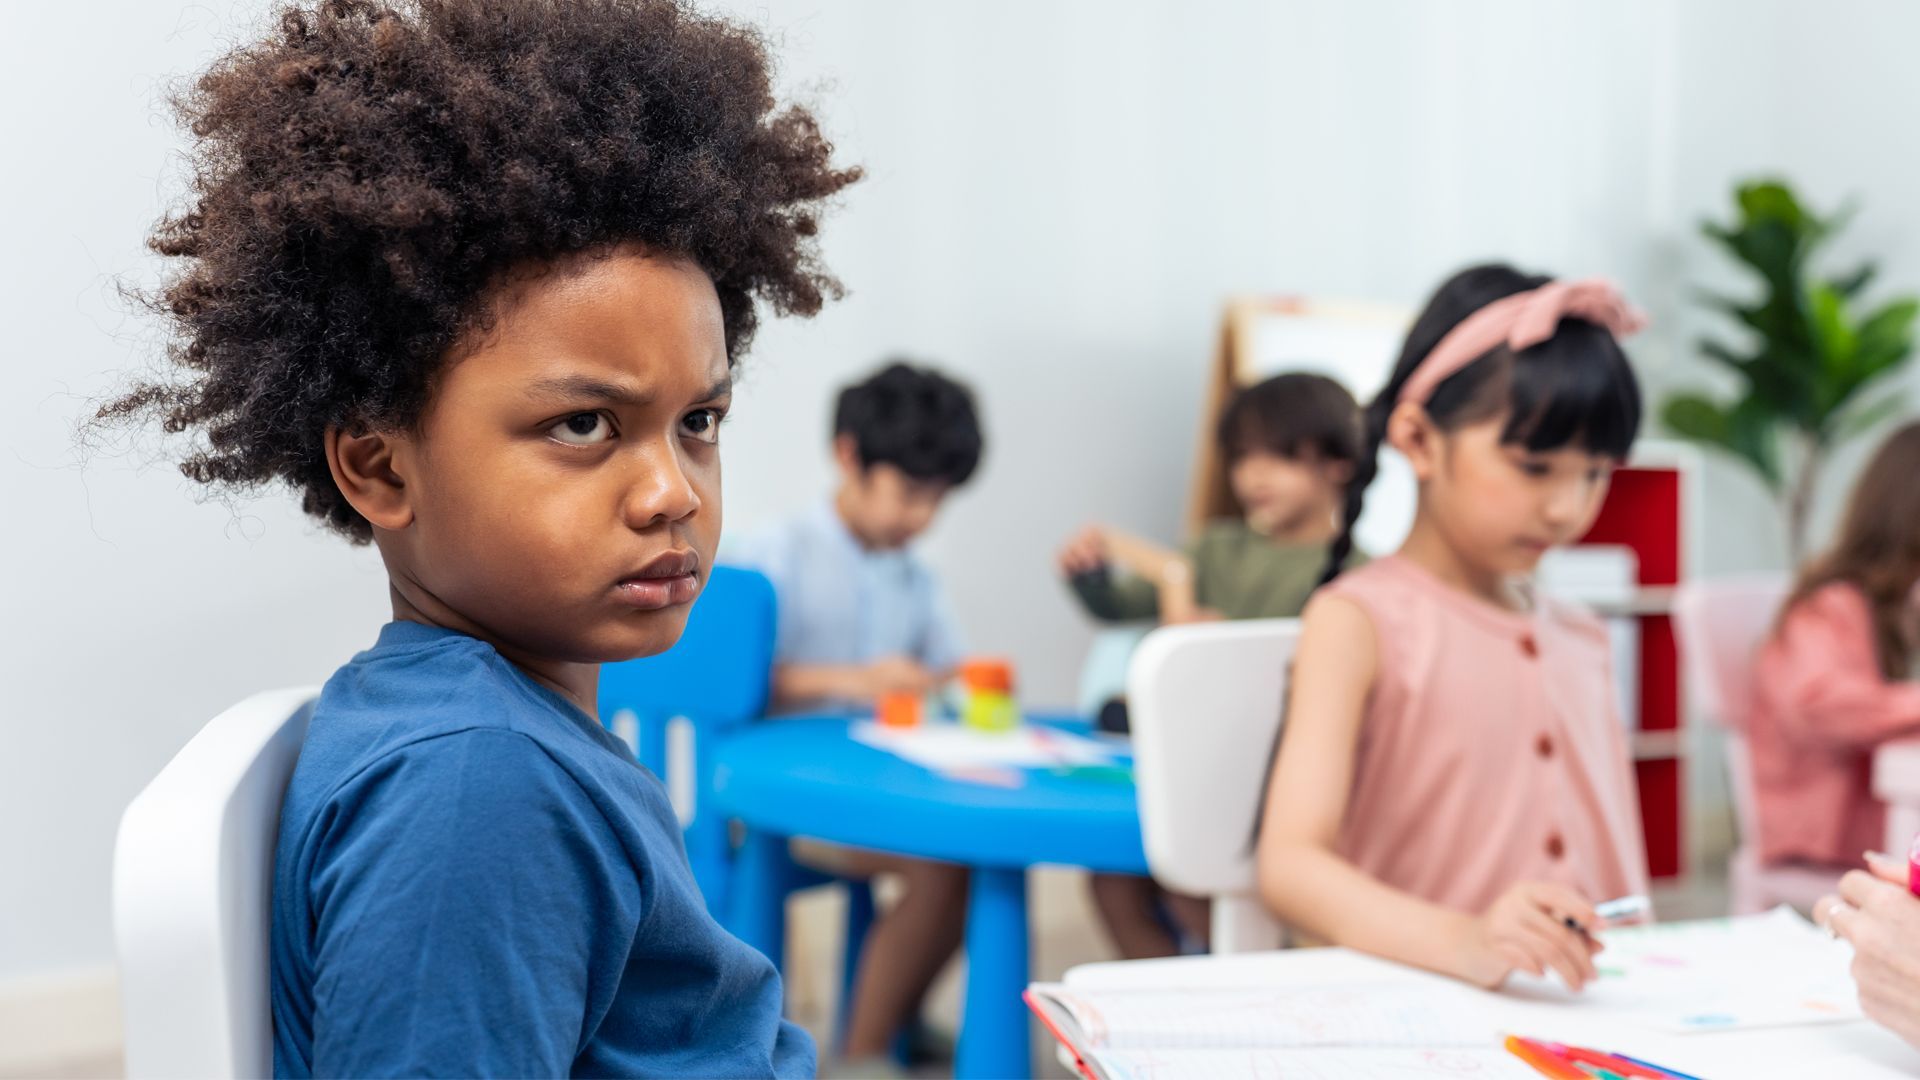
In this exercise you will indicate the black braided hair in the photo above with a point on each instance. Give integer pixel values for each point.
(1574, 388)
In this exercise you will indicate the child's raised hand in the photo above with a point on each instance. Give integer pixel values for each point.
(1085, 553)
(1526, 930)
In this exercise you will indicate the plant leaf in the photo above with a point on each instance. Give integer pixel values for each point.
(1864, 418)
(1851, 285)
(1886, 336)
(1750, 433)
(1744, 431)
(1834, 341)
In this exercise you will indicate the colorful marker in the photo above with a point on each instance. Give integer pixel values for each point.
(1624, 907)
(1560, 1060)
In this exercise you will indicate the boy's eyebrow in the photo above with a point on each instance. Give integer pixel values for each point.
(575, 387)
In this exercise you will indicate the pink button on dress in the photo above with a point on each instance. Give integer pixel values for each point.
(1492, 750)
(1821, 704)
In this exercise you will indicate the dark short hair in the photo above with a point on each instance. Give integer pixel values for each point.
(1296, 415)
(365, 170)
(912, 418)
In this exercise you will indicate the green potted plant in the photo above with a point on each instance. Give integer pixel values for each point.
(1812, 352)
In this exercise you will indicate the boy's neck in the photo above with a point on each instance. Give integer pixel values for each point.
(1428, 549)
(843, 508)
(578, 683)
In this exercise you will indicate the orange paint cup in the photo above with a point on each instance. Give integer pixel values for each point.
(898, 709)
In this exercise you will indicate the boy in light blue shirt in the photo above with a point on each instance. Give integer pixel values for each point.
(862, 616)
(855, 621)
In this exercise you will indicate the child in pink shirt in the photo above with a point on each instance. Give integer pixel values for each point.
(1836, 678)
(1453, 788)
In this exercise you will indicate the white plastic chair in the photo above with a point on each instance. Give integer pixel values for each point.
(1721, 624)
(192, 885)
(1206, 703)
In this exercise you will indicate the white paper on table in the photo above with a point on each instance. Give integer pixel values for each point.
(1367, 1014)
(1320, 1063)
(942, 747)
(1742, 973)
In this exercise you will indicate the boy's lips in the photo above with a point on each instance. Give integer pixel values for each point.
(666, 580)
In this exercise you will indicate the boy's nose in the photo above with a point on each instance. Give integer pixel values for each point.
(659, 490)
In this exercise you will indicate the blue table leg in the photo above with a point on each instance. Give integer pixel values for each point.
(993, 1031)
(758, 895)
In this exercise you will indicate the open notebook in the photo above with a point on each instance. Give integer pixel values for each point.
(1360, 1030)
(1330, 1012)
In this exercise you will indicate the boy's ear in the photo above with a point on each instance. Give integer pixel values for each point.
(1412, 432)
(367, 468)
(846, 454)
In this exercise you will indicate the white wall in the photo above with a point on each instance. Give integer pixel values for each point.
(1060, 194)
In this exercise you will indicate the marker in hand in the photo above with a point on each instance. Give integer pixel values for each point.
(1625, 907)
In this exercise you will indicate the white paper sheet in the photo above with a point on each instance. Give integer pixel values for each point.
(1326, 1063)
(1353, 1014)
(1755, 971)
(943, 747)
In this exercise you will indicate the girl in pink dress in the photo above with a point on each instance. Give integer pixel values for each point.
(1836, 678)
(1453, 788)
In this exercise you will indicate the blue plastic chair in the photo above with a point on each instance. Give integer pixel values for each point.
(679, 706)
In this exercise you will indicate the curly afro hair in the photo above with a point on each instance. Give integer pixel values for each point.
(362, 175)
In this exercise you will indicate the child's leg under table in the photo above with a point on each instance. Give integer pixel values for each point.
(906, 948)
(1135, 910)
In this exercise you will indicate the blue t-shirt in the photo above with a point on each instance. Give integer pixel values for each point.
(475, 879)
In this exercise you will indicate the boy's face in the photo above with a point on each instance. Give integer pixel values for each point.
(1280, 495)
(883, 506)
(560, 497)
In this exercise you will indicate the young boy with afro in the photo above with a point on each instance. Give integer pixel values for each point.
(471, 277)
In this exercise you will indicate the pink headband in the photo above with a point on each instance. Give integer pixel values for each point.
(1521, 321)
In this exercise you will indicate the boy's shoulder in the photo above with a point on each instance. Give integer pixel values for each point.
(426, 698)
(776, 547)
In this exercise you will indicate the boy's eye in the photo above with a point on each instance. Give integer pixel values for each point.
(703, 425)
(583, 429)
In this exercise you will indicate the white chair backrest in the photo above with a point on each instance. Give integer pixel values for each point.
(1720, 625)
(192, 888)
(1205, 703)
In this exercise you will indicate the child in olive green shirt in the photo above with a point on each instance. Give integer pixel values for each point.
(1290, 443)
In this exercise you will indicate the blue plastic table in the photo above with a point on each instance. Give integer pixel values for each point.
(808, 777)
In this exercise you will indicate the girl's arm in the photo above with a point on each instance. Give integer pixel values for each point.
(1824, 679)
(1313, 889)
(1141, 558)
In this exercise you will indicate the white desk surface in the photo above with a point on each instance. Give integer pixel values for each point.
(1847, 1049)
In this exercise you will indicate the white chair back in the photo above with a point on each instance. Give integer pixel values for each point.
(1720, 625)
(1205, 703)
(192, 888)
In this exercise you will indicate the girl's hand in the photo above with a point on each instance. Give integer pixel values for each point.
(1085, 553)
(1882, 919)
(1525, 930)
